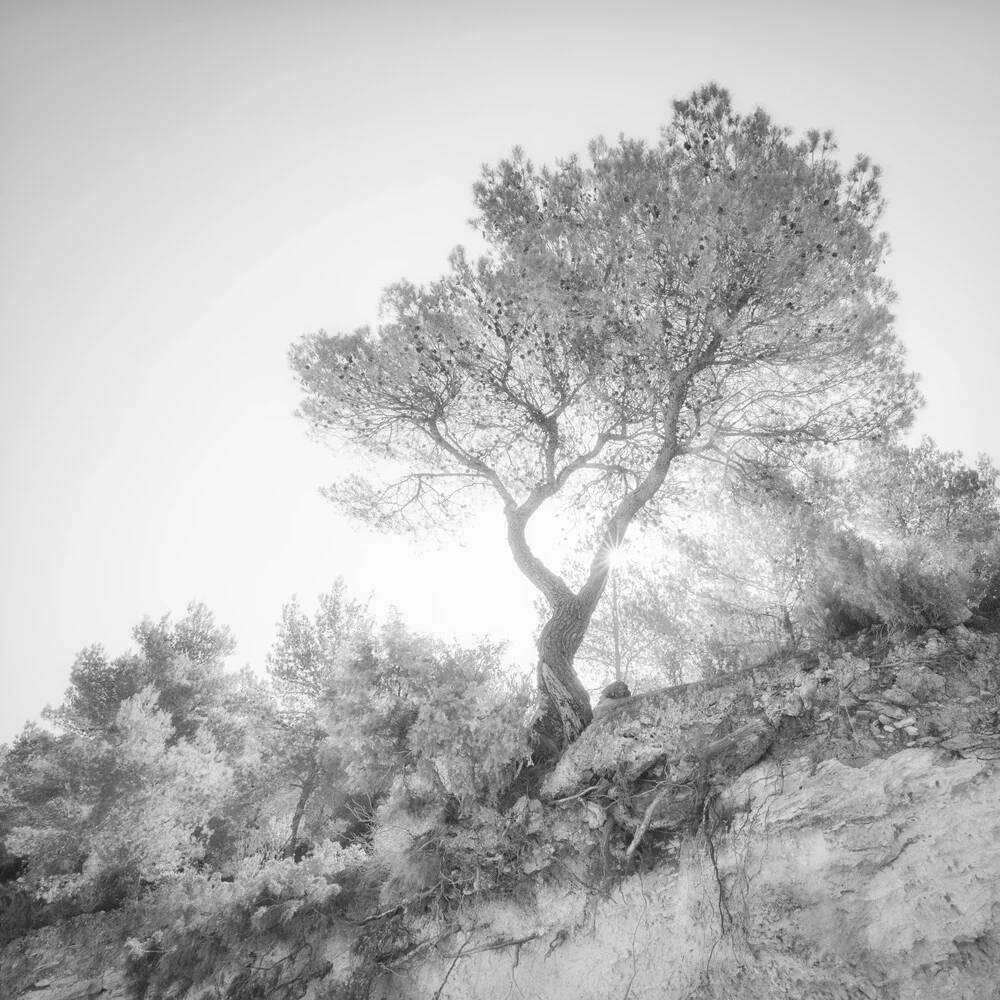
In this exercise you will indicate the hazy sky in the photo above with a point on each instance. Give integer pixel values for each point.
(187, 187)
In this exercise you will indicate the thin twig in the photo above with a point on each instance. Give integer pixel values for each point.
(635, 930)
(569, 798)
(394, 912)
(454, 961)
(497, 945)
(586, 885)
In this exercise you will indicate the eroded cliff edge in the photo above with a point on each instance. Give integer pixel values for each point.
(859, 858)
(829, 881)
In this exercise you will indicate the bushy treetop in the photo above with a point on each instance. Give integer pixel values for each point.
(667, 298)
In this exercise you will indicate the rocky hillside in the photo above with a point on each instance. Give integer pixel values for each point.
(821, 826)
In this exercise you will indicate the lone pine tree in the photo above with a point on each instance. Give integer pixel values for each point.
(715, 295)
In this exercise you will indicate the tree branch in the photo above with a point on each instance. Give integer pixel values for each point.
(470, 462)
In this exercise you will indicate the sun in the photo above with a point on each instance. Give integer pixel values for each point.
(617, 556)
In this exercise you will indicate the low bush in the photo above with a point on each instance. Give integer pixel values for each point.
(910, 586)
(273, 908)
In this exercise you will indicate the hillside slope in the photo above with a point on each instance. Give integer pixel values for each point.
(824, 826)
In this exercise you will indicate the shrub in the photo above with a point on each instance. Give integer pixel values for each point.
(271, 905)
(113, 884)
(912, 585)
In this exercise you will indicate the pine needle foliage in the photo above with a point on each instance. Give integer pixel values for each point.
(714, 295)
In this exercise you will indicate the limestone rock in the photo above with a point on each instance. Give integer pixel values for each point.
(828, 882)
(673, 726)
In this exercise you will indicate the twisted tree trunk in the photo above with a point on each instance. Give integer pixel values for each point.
(566, 710)
(565, 704)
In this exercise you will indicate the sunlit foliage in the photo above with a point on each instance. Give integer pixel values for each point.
(714, 295)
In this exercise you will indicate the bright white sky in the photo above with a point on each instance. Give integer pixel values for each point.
(187, 187)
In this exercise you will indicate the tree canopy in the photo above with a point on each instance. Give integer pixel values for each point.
(714, 295)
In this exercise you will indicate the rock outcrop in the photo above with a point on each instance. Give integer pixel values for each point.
(834, 826)
(824, 881)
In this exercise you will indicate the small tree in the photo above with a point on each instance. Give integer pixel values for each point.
(183, 661)
(756, 556)
(158, 750)
(903, 492)
(133, 797)
(713, 295)
(303, 666)
(919, 539)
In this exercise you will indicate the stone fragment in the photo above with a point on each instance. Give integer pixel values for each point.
(594, 815)
(899, 696)
(894, 711)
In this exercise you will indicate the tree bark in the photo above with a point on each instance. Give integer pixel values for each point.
(305, 793)
(566, 710)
